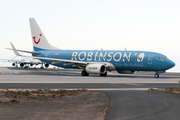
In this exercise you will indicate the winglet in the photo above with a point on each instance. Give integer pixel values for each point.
(14, 49)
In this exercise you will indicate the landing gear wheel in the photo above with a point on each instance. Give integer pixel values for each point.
(105, 74)
(84, 73)
(41, 67)
(25, 67)
(156, 76)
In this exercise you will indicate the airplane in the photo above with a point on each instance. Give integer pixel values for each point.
(96, 61)
(23, 61)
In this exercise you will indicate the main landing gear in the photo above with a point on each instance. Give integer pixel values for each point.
(156, 75)
(42, 66)
(105, 74)
(84, 73)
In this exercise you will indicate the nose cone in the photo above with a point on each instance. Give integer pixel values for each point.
(170, 64)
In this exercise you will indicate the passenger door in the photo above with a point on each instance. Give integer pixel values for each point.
(150, 58)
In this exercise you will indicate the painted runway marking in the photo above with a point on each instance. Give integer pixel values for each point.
(112, 89)
(97, 89)
(127, 83)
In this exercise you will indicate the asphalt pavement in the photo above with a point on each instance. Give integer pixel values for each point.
(143, 105)
(129, 98)
(95, 86)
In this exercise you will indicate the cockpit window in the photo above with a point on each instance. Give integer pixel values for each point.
(162, 58)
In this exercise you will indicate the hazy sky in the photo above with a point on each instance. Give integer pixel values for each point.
(148, 25)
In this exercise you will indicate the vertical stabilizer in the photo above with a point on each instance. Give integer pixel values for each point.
(14, 49)
(39, 40)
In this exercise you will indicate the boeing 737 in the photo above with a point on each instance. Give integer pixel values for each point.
(96, 61)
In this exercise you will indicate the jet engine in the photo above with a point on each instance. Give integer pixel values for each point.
(95, 68)
(125, 72)
(13, 64)
(46, 65)
(21, 64)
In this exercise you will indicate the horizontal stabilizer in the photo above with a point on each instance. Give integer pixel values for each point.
(23, 51)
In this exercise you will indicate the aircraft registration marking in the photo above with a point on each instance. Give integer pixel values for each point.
(127, 83)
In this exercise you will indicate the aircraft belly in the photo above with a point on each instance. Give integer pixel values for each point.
(63, 65)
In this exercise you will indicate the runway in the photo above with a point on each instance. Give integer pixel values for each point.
(19, 75)
(129, 98)
(89, 86)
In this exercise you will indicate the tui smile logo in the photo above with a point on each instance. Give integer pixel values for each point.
(38, 40)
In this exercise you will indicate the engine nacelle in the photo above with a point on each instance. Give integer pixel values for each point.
(126, 72)
(21, 64)
(13, 64)
(46, 65)
(31, 64)
(95, 68)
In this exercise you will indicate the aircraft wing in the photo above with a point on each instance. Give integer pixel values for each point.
(62, 61)
(26, 61)
(10, 60)
(4, 60)
(80, 64)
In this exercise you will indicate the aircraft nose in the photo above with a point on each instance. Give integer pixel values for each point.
(170, 64)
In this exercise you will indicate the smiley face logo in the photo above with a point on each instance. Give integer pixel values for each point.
(38, 40)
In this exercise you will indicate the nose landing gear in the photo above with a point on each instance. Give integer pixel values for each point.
(158, 72)
(156, 75)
